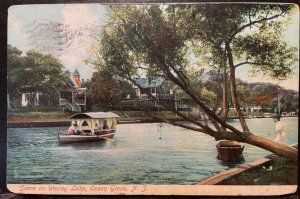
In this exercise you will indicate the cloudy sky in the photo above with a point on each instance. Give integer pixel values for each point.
(81, 16)
(76, 16)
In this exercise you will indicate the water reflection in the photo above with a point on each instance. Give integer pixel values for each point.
(85, 145)
(232, 164)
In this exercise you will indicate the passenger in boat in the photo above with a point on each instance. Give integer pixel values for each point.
(71, 130)
(77, 130)
(113, 125)
(281, 136)
(105, 126)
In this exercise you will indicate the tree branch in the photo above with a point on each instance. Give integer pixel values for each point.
(210, 133)
(208, 129)
(254, 63)
(232, 35)
(209, 112)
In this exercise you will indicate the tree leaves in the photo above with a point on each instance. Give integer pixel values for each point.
(266, 52)
(34, 72)
(106, 90)
(141, 37)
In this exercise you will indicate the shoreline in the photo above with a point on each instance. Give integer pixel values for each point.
(67, 123)
(32, 124)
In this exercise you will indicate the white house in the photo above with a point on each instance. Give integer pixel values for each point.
(31, 98)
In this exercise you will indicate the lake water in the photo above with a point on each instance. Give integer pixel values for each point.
(137, 156)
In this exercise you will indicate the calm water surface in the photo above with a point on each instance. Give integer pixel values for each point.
(137, 156)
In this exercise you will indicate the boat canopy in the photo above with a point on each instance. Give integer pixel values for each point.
(95, 120)
(94, 115)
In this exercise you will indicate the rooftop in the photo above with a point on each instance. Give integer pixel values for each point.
(145, 83)
(94, 115)
(76, 72)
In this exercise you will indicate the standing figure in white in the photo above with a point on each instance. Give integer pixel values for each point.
(281, 136)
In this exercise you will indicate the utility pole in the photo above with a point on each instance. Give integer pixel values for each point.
(278, 100)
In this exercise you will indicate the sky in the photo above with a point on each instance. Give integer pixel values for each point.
(292, 37)
(77, 16)
(81, 16)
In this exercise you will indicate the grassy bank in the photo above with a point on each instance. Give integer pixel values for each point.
(52, 116)
(59, 115)
(31, 116)
(281, 172)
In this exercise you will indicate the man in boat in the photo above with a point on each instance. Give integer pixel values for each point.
(105, 126)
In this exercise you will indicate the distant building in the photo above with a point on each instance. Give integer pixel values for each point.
(73, 97)
(76, 77)
(156, 87)
(31, 98)
(160, 89)
(28, 97)
(255, 108)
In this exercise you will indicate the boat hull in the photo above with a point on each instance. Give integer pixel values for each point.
(99, 136)
(230, 151)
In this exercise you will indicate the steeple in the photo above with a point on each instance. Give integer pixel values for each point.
(76, 77)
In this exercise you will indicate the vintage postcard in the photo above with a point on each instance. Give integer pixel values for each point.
(153, 99)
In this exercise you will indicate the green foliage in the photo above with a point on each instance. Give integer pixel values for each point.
(46, 71)
(253, 30)
(209, 96)
(34, 72)
(107, 90)
(280, 172)
(142, 37)
(267, 52)
(46, 114)
(15, 63)
(156, 37)
(289, 101)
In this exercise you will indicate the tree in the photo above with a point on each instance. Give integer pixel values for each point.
(206, 84)
(151, 38)
(289, 100)
(107, 90)
(34, 72)
(251, 34)
(15, 62)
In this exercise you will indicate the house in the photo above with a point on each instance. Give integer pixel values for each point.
(32, 98)
(73, 97)
(160, 89)
(26, 96)
(156, 87)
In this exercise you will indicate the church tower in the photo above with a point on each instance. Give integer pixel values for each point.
(76, 77)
